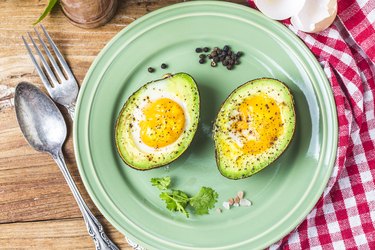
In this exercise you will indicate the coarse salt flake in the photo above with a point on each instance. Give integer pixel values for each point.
(231, 201)
(240, 194)
(245, 203)
(226, 205)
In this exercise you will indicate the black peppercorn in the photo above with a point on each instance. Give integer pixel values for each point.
(225, 55)
(163, 66)
(150, 69)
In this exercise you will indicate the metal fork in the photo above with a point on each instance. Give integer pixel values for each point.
(62, 88)
(64, 91)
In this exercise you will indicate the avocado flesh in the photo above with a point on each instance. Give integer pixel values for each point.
(182, 87)
(246, 144)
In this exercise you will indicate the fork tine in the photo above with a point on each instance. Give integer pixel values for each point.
(38, 68)
(58, 54)
(50, 57)
(44, 62)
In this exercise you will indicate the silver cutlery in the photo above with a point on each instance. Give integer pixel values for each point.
(62, 88)
(44, 128)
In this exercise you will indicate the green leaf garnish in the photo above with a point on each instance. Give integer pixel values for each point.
(161, 183)
(47, 10)
(176, 201)
(204, 200)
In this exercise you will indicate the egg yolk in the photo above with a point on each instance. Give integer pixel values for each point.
(163, 124)
(259, 115)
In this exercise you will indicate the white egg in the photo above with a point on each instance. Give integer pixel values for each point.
(279, 9)
(306, 15)
(315, 16)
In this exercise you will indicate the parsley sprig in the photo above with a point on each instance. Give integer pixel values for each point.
(177, 200)
(204, 200)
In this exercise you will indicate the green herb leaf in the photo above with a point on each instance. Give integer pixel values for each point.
(49, 7)
(161, 183)
(204, 200)
(176, 201)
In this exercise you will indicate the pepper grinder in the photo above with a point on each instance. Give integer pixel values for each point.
(89, 13)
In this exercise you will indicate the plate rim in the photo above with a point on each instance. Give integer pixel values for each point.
(329, 96)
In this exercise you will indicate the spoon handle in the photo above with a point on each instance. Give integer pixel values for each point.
(94, 227)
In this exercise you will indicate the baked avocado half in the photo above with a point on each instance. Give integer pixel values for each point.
(158, 122)
(253, 127)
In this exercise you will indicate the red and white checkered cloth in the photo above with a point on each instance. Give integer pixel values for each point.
(344, 217)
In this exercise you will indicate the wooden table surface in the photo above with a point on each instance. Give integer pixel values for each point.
(37, 210)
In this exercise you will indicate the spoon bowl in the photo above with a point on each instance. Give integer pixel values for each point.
(39, 118)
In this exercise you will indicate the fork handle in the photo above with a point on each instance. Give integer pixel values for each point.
(71, 109)
(94, 228)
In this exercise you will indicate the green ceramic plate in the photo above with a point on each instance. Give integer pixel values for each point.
(282, 194)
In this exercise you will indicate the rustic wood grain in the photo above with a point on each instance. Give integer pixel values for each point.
(53, 234)
(37, 210)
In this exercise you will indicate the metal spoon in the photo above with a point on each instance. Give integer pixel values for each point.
(44, 128)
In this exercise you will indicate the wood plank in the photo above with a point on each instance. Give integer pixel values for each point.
(31, 185)
(54, 234)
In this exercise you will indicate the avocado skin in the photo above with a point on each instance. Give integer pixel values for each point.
(233, 176)
(117, 124)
